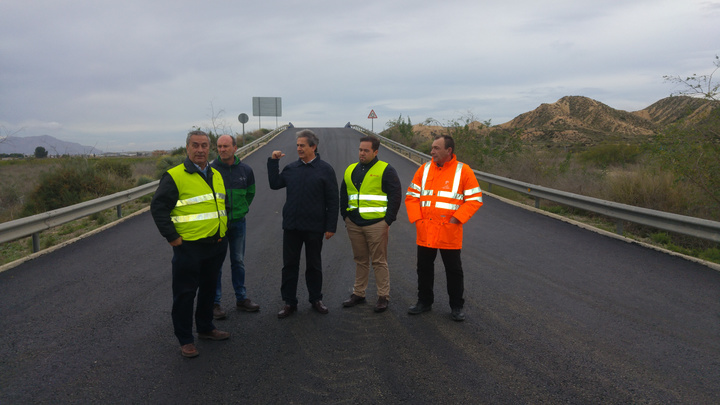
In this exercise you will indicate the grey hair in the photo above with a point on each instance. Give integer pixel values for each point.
(196, 133)
(309, 135)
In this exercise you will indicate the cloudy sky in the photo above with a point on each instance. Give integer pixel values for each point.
(137, 75)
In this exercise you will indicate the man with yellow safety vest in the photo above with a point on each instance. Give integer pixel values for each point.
(189, 211)
(443, 195)
(370, 197)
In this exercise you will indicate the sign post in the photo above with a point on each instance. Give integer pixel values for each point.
(243, 118)
(267, 107)
(372, 116)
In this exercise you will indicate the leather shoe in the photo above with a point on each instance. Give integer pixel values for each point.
(218, 313)
(215, 334)
(318, 306)
(381, 305)
(419, 308)
(287, 311)
(189, 350)
(353, 300)
(248, 306)
(457, 314)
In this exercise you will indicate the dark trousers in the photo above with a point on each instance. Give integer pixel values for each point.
(293, 242)
(195, 269)
(453, 272)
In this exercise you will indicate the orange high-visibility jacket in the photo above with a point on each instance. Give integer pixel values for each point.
(438, 193)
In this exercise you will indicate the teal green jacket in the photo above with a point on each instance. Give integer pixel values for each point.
(239, 187)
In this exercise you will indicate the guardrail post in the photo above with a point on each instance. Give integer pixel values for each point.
(36, 242)
(537, 202)
(489, 187)
(119, 210)
(619, 226)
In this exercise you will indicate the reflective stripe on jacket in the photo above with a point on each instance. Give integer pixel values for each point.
(371, 202)
(438, 193)
(200, 210)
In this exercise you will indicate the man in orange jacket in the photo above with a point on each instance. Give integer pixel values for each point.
(443, 195)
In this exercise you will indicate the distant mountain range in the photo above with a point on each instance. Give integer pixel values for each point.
(583, 121)
(54, 146)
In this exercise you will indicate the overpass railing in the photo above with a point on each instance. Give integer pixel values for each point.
(696, 227)
(35, 224)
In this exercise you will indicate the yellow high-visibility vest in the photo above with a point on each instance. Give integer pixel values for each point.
(199, 212)
(370, 200)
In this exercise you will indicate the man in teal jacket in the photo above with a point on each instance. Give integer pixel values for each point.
(240, 189)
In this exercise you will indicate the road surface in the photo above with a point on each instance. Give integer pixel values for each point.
(555, 314)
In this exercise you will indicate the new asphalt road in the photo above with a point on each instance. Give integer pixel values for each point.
(555, 314)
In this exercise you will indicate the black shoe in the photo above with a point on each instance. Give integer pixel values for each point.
(286, 311)
(353, 300)
(457, 314)
(419, 308)
(320, 307)
(218, 313)
(382, 304)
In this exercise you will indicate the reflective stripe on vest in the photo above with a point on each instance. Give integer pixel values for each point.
(453, 194)
(370, 201)
(199, 213)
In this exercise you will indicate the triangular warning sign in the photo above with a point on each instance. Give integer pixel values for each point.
(372, 114)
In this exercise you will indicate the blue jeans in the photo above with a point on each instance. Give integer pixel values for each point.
(236, 240)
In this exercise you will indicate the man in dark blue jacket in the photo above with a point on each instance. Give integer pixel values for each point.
(310, 212)
(239, 190)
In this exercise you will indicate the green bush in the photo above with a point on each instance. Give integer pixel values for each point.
(143, 180)
(168, 162)
(117, 167)
(75, 181)
(712, 255)
(661, 238)
(611, 155)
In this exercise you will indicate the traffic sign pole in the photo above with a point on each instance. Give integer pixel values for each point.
(372, 117)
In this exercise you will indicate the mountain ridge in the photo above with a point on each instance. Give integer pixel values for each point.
(580, 120)
(26, 146)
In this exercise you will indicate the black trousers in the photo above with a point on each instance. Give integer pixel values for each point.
(426, 275)
(195, 268)
(293, 242)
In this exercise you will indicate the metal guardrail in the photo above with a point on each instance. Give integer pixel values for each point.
(696, 227)
(35, 224)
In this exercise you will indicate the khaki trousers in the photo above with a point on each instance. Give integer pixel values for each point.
(369, 245)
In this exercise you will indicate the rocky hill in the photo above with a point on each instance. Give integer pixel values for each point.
(580, 120)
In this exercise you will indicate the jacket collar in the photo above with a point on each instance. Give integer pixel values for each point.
(220, 163)
(191, 168)
(449, 163)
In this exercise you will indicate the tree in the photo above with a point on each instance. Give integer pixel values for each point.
(40, 152)
(691, 151)
(695, 85)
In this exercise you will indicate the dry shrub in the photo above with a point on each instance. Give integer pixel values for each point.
(649, 189)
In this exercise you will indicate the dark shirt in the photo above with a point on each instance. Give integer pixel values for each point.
(390, 186)
(311, 194)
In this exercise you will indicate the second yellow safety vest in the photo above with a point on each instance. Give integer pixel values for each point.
(370, 200)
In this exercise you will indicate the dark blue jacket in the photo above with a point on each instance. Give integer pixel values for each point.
(312, 197)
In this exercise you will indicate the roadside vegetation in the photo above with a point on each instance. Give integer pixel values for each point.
(33, 185)
(677, 171)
